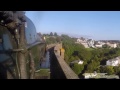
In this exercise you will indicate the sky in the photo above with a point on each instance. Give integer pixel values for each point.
(98, 25)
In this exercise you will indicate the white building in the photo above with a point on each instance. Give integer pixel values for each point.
(83, 42)
(77, 61)
(99, 75)
(80, 62)
(85, 45)
(93, 75)
(101, 43)
(86, 42)
(89, 75)
(113, 45)
(90, 43)
(98, 45)
(78, 40)
(113, 62)
(44, 38)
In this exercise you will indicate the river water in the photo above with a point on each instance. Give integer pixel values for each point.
(46, 63)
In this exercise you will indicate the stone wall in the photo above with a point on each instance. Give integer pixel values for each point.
(59, 68)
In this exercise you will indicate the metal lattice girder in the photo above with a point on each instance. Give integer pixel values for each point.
(12, 19)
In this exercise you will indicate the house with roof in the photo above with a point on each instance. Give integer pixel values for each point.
(111, 44)
(83, 42)
(90, 42)
(96, 75)
(80, 62)
(77, 61)
(113, 62)
(98, 45)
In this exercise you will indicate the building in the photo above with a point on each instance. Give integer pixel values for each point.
(79, 40)
(98, 45)
(112, 45)
(83, 42)
(89, 75)
(113, 62)
(99, 76)
(85, 45)
(90, 43)
(80, 62)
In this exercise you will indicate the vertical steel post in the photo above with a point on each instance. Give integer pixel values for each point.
(21, 56)
(32, 66)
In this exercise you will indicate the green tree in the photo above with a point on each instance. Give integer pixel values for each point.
(93, 66)
(84, 54)
(55, 34)
(73, 58)
(116, 69)
(107, 69)
(50, 40)
(92, 58)
(77, 68)
(51, 34)
(58, 39)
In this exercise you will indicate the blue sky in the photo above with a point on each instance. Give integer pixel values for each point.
(98, 25)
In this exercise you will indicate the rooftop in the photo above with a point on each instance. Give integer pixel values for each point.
(115, 59)
(76, 61)
(101, 75)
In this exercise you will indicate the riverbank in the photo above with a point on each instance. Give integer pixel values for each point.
(44, 71)
(42, 74)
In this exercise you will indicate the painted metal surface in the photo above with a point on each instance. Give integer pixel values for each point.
(4, 46)
(31, 39)
(30, 32)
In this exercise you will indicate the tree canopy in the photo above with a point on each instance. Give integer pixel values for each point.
(93, 58)
(55, 34)
(51, 34)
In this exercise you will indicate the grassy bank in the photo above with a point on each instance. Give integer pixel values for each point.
(42, 74)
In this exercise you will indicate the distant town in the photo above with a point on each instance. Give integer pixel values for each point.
(90, 43)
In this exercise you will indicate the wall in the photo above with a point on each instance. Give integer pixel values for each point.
(59, 68)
